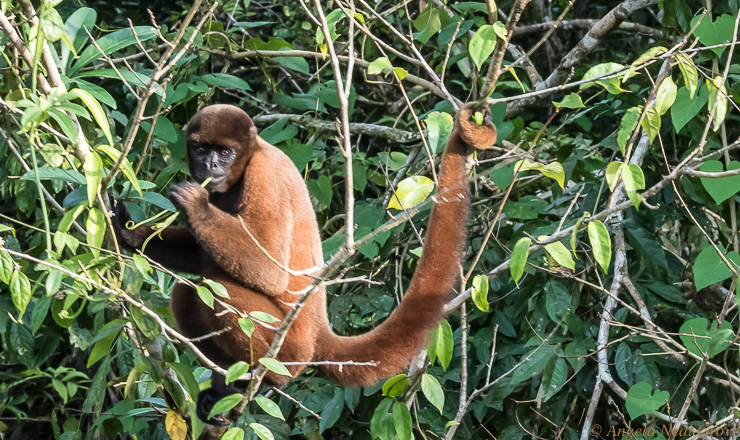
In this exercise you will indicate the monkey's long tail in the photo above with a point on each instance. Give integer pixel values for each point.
(393, 344)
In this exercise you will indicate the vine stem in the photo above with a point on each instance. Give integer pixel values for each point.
(40, 189)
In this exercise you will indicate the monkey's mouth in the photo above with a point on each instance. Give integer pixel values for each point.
(215, 181)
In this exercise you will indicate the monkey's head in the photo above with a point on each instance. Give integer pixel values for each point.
(477, 136)
(220, 140)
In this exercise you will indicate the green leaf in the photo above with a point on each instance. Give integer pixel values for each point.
(396, 385)
(440, 127)
(411, 191)
(441, 344)
(553, 170)
(275, 366)
(402, 421)
(57, 174)
(225, 404)
(233, 434)
(264, 317)
(601, 243)
(627, 126)
(500, 30)
(689, 72)
(269, 407)
(381, 65)
(262, 431)
(714, 33)
(710, 269)
(641, 399)
(571, 100)
(723, 188)
(481, 44)
(110, 43)
(97, 111)
(381, 425)
(427, 23)
(64, 121)
(613, 173)
(227, 81)
(205, 295)
(125, 166)
(74, 30)
(557, 300)
(611, 85)
(52, 24)
(95, 230)
(519, 258)
(666, 95)
(299, 64)
(433, 391)
(217, 288)
(633, 180)
(20, 291)
(480, 292)
(102, 347)
(651, 123)
(650, 53)
(6, 266)
(560, 253)
(235, 371)
(247, 326)
(142, 264)
(700, 341)
(717, 93)
(93, 167)
(686, 108)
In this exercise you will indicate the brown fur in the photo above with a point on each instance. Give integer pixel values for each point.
(266, 190)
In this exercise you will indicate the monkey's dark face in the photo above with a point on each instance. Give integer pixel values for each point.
(212, 161)
(220, 141)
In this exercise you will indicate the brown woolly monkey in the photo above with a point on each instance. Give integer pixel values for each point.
(256, 183)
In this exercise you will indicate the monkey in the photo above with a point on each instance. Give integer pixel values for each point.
(255, 219)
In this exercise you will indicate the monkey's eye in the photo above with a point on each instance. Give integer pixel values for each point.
(224, 152)
(200, 150)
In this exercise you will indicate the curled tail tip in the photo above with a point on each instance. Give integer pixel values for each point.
(480, 137)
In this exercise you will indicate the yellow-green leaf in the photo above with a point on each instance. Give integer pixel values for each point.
(519, 259)
(411, 191)
(275, 366)
(125, 166)
(553, 170)
(601, 243)
(666, 95)
(560, 253)
(717, 93)
(690, 75)
(651, 122)
(97, 111)
(480, 292)
(93, 167)
(95, 230)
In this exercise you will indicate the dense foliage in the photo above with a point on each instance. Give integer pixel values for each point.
(601, 269)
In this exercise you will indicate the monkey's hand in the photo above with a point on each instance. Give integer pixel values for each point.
(127, 238)
(477, 136)
(192, 197)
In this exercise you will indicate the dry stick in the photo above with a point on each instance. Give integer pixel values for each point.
(394, 135)
(589, 23)
(494, 69)
(343, 93)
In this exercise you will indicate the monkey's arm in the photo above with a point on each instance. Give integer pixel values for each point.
(242, 249)
(176, 250)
